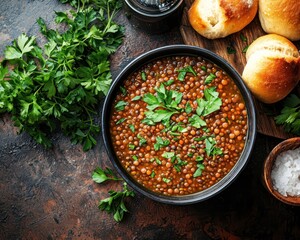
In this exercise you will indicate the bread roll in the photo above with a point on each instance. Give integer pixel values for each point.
(281, 17)
(220, 18)
(272, 69)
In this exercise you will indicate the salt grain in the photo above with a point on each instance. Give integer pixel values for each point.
(285, 174)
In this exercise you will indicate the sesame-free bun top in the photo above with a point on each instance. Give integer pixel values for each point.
(281, 17)
(220, 18)
(272, 69)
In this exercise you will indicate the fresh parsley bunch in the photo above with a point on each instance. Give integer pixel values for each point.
(60, 86)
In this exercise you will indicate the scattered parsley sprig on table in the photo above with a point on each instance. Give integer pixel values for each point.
(289, 116)
(60, 86)
(115, 203)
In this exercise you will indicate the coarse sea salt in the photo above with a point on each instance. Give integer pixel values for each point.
(285, 173)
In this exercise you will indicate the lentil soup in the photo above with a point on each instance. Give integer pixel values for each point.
(178, 125)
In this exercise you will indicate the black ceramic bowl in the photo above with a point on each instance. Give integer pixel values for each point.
(177, 50)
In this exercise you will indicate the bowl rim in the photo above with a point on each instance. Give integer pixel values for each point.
(267, 169)
(181, 50)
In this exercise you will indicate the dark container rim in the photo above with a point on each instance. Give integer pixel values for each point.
(180, 50)
(154, 14)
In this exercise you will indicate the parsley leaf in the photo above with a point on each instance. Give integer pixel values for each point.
(160, 142)
(120, 105)
(166, 180)
(142, 140)
(231, 50)
(177, 162)
(210, 103)
(209, 78)
(121, 121)
(196, 121)
(188, 108)
(131, 127)
(168, 154)
(184, 71)
(198, 172)
(115, 203)
(245, 49)
(143, 75)
(123, 90)
(131, 146)
(166, 100)
(169, 82)
(210, 147)
(136, 98)
(99, 175)
(289, 116)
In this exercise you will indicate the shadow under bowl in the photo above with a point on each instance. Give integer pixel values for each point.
(179, 50)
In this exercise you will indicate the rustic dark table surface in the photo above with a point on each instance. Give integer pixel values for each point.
(49, 194)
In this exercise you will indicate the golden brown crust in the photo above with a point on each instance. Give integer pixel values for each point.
(272, 69)
(220, 18)
(281, 17)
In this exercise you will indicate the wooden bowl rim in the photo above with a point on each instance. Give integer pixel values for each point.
(291, 143)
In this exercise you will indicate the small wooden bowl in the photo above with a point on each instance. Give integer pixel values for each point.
(289, 144)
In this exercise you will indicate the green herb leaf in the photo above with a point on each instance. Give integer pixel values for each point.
(143, 75)
(166, 180)
(209, 78)
(158, 161)
(123, 90)
(196, 121)
(100, 175)
(198, 172)
(178, 163)
(160, 142)
(243, 38)
(136, 98)
(168, 154)
(166, 100)
(210, 103)
(150, 99)
(184, 71)
(289, 116)
(200, 138)
(158, 116)
(188, 108)
(210, 147)
(135, 158)
(152, 175)
(121, 121)
(231, 50)
(142, 140)
(245, 49)
(169, 82)
(120, 106)
(131, 146)
(131, 127)
(115, 203)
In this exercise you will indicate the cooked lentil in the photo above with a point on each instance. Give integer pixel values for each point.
(181, 125)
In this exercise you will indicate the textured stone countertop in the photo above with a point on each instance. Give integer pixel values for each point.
(49, 194)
